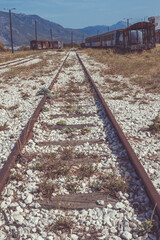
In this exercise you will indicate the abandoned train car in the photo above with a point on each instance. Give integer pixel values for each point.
(138, 36)
(45, 44)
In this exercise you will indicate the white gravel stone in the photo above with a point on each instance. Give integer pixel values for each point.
(3, 235)
(28, 198)
(18, 218)
(111, 222)
(126, 235)
(100, 202)
(107, 221)
(74, 237)
(119, 205)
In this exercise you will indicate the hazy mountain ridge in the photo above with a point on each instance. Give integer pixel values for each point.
(93, 30)
(24, 29)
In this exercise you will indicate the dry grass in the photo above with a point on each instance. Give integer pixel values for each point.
(155, 127)
(8, 56)
(67, 154)
(24, 71)
(46, 189)
(52, 169)
(69, 63)
(4, 127)
(85, 171)
(63, 224)
(72, 187)
(16, 176)
(114, 183)
(142, 68)
(31, 71)
(25, 95)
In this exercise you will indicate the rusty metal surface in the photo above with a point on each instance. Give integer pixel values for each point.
(41, 44)
(149, 187)
(45, 44)
(131, 38)
(24, 137)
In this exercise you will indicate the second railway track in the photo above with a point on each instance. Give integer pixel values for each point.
(74, 180)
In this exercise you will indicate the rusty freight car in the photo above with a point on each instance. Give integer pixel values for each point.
(138, 36)
(45, 44)
(57, 44)
(40, 44)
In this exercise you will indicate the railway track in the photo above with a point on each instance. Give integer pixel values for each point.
(15, 62)
(19, 61)
(73, 179)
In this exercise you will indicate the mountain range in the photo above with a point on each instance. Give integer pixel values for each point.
(23, 27)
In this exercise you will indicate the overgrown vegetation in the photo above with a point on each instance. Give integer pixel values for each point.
(84, 131)
(63, 223)
(85, 171)
(67, 154)
(25, 95)
(46, 188)
(16, 176)
(72, 110)
(97, 185)
(45, 109)
(114, 183)
(142, 68)
(155, 127)
(46, 91)
(30, 71)
(24, 48)
(68, 130)
(52, 169)
(9, 108)
(147, 225)
(8, 56)
(72, 187)
(3, 48)
(61, 122)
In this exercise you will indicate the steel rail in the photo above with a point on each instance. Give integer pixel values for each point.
(16, 63)
(25, 136)
(11, 62)
(148, 185)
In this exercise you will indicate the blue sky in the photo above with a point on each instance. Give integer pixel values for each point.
(83, 13)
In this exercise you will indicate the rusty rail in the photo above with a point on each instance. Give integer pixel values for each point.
(17, 62)
(24, 137)
(149, 187)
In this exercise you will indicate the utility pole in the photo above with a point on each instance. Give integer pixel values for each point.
(83, 38)
(127, 21)
(51, 37)
(51, 34)
(11, 30)
(11, 27)
(35, 30)
(107, 28)
(72, 39)
(97, 32)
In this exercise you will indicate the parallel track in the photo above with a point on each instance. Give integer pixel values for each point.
(27, 134)
(17, 62)
(150, 189)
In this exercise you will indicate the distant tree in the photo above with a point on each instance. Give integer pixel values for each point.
(24, 48)
(3, 48)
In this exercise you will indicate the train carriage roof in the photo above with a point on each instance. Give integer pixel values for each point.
(136, 26)
(140, 25)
